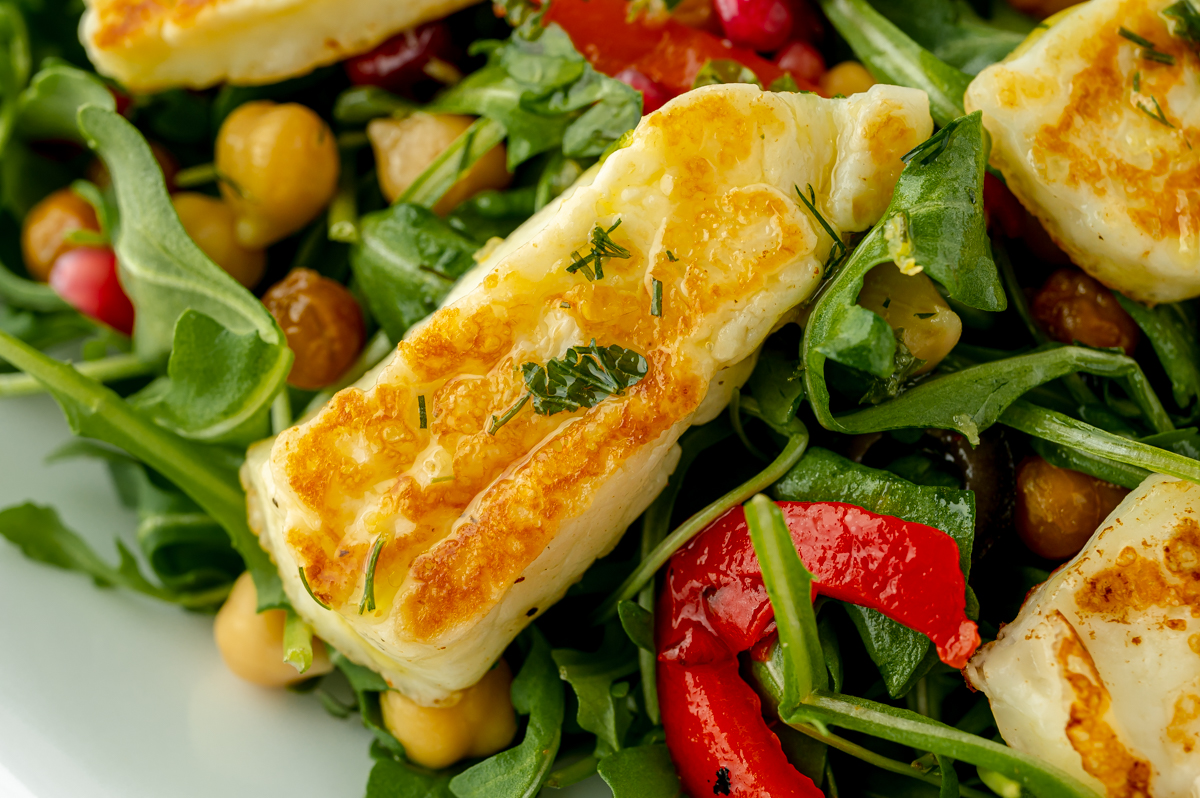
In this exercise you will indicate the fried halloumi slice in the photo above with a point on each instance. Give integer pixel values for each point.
(1100, 672)
(1101, 142)
(149, 45)
(479, 532)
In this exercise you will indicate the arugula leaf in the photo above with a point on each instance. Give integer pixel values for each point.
(902, 655)
(1173, 336)
(603, 700)
(41, 535)
(638, 623)
(934, 222)
(789, 586)
(546, 95)
(777, 383)
(642, 772)
(493, 214)
(1126, 476)
(394, 779)
(358, 105)
(1064, 430)
(520, 771)
(49, 107)
(724, 70)
(367, 685)
(163, 270)
(202, 472)
(14, 65)
(893, 57)
(908, 728)
(406, 261)
(956, 34)
(209, 393)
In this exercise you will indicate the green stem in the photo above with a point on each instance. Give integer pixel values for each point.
(343, 211)
(110, 369)
(441, 175)
(281, 411)
(645, 571)
(193, 176)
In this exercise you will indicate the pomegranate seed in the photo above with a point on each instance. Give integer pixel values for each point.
(762, 25)
(802, 60)
(398, 64)
(86, 278)
(654, 94)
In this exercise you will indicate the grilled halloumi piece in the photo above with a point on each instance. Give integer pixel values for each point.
(1100, 672)
(482, 532)
(150, 45)
(1102, 143)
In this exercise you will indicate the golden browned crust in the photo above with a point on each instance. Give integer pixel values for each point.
(444, 571)
(1104, 756)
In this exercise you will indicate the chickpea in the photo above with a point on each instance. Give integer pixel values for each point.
(97, 171)
(323, 325)
(1059, 509)
(251, 642)
(480, 724)
(279, 168)
(911, 304)
(1072, 307)
(404, 148)
(210, 223)
(846, 78)
(46, 227)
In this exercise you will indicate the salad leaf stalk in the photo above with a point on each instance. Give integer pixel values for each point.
(110, 369)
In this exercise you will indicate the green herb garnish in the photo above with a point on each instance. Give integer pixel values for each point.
(838, 251)
(724, 70)
(924, 315)
(1157, 114)
(603, 248)
(1185, 21)
(584, 377)
(671, 257)
(311, 594)
(1150, 50)
(656, 299)
(368, 598)
(932, 147)
(421, 411)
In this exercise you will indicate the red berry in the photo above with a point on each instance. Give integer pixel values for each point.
(87, 279)
(1004, 213)
(398, 64)
(654, 94)
(802, 60)
(762, 25)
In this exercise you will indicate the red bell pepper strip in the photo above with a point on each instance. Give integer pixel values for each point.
(670, 53)
(714, 606)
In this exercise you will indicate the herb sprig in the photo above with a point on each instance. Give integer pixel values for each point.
(1150, 50)
(582, 378)
(1185, 21)
(603, 248)
(838, 251)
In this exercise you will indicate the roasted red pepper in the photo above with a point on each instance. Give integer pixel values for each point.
(670, 54)
(714, 606)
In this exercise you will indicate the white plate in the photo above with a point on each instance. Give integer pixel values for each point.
(104, 693)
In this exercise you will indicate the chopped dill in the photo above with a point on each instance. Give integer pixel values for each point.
(421, 411)
(1150, 50)
(1157, 114)
(368, 598)
(602, 248)
(498, 422)
(656, 299)
(838, 250)
(671, 257)
(312, 595)
(924, 315)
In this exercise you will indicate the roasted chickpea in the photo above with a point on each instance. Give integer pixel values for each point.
(1072, 307)
(911, 304)
(279, 168)
(97, 171)
(251, 642)
(480, 724)
(46, 227)
(404, 148)
(210, 223)
(323, 325)
(846, 78)
(1059, 509)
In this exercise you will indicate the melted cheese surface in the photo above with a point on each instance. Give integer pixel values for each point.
(1072, 116)
(483, 532)
(1100, 672)
(149, 45)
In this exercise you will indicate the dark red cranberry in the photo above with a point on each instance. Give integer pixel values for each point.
(654, 94)
(398, 64)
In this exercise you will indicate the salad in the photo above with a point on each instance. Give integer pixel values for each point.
(731, 397)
